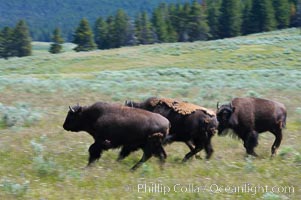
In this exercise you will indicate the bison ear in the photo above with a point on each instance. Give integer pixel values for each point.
(232, 107)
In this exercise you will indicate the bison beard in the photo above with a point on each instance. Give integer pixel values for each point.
(114, 126)
(248, 117)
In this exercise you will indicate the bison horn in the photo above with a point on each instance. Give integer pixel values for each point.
(129, 103)
(71, 109)
(217, 105)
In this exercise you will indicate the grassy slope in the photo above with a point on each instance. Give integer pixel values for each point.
(41, 161)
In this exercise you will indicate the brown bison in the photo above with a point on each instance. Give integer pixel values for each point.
(114, 126)
(248, 117)
(190, 123)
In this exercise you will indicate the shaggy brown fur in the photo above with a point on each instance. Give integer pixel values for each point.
(181, 107)
(192, 124)
(248, 117)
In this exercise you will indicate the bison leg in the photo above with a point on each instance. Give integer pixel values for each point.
(251, 142)
(277, 142)
(125, 151)
(168, 139)
(156, 148)
(152, 147)
(193, 152)
(190, 145)
(162, 157)
(160, 152)
(95, 151)
(146, 155)
(208, 148)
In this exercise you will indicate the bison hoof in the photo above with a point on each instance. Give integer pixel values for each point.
(252, 155)
(184, 160)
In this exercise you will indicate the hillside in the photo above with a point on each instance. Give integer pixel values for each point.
(43, 16)
(39, 160)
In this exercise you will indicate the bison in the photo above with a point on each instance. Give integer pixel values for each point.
(114, 126)
(248, 117)
(190, 123)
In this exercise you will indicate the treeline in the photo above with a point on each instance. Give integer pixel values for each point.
(43, 17)
(211, 19)
(15, 42)
(182, 22)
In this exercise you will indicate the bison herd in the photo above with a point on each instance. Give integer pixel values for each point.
(155, 122)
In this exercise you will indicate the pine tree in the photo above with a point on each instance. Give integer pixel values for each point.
(172, 34)
(7, 43)
(213, 14)
(121, 28)
(295, 10)
(101, 33)
(297, 21)
(230, 18)
(175, 21)
(246, 17)
(144, 29)
(198, 26)
(83, 37)
(159, 21)
(182, 21)
(56, 46)
(111, 43)
(171, 28)
(282, 13)
(22, 41)
(131, 38)
(262, 17)
(2, 47)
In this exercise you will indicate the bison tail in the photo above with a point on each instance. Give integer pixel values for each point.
(282, 122)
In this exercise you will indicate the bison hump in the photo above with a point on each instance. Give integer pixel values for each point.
(183, 108)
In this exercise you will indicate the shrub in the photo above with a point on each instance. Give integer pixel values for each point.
(19, 115)
(43, 167)
(271, 196)
(249, 167)
(286, 152)
(15, 189)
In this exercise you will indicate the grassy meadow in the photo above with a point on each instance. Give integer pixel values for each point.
(39, 160)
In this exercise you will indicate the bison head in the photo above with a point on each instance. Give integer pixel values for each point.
(210, 125)
(129, 103)
(145, 105)
(223, 115)
(73, 119)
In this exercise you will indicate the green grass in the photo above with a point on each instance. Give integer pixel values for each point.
(39, 160)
